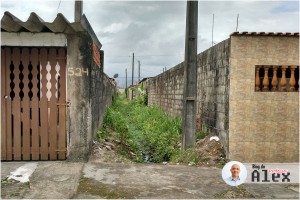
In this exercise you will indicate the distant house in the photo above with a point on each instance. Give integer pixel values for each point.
(133, 91)
(54, 88)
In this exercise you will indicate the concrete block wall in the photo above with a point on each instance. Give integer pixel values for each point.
(166, 90)
(263, 126)
(89, 93)
(213, 91)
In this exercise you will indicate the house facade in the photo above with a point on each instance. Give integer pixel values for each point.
(53, 87)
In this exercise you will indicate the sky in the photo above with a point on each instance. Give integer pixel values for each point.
(155, 30)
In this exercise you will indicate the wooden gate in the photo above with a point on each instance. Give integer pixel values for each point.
(33, 103)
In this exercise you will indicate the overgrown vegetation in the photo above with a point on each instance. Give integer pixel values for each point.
(202, 134)
(145, 133)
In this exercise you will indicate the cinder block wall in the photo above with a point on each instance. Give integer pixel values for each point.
(263, 126)
(213, 91)
(166, 90)
(89, 92)
(101, 91)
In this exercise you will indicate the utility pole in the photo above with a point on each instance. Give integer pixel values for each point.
(237, 23)
(190, 76)
(78, 10)
(139, 70)
(126, 84)
(212, 31)
(132, 75)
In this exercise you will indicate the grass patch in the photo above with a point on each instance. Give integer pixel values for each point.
(146, 131)
(202, 134)
(190, 156)
(13, 189)
(92, 187)
(236, 192)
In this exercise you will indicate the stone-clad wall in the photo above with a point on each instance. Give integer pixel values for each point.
(263, 126)
(166, 90)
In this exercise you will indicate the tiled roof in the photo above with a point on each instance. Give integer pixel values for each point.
(265, 33)
(34, 24)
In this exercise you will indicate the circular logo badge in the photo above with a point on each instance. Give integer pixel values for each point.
(234, 173)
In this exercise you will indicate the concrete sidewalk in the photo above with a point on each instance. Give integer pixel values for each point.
(50, 180)
(94, 180)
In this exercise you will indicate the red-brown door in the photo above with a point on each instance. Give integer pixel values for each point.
(33, 103)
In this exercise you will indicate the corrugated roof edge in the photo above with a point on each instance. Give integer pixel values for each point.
(35, 24)
(264, 34)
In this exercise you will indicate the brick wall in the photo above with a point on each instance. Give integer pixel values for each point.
(263, 126)
(166, 90)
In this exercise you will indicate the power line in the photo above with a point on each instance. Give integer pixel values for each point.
(144, 56)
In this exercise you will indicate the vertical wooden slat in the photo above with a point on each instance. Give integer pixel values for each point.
(53, 107)
(8, 104)
(43, 106)
(4, 81)
(62, 108)
(34, 104)
(25, 115)
(16, 107)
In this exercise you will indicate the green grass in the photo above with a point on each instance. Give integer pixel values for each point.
(145, 131)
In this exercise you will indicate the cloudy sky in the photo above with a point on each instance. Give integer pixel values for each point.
(155, 30)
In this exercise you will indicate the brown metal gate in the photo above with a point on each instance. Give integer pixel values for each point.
(33, 103)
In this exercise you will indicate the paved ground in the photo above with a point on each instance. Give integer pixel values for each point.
(95, 180)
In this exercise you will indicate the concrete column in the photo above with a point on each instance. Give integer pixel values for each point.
(190, 77)
(78, 10)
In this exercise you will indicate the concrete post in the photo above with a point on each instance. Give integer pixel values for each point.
(132, 75)
(190, 77)
(126, 84)
(78, 10)
(139, 70)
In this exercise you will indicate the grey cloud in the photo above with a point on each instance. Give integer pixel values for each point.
(154, 28)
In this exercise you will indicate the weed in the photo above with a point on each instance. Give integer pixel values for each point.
(145, 131)
(202, 134)
(189, 156)
(235, 192)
